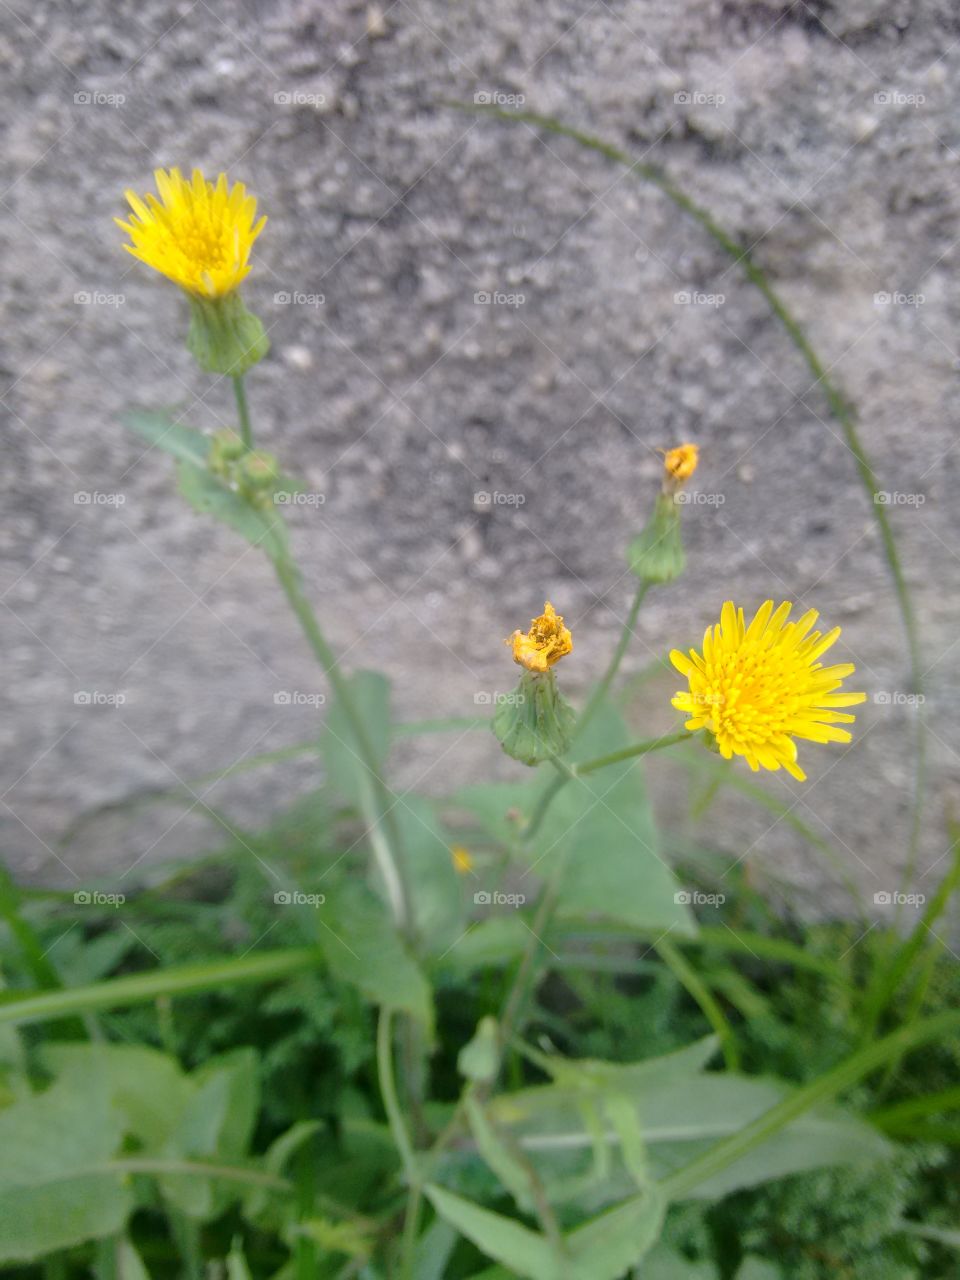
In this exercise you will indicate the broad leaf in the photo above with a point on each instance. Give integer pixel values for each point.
(55, 1188)
(208, 494)
(524, 1251)
(146, 1086)
(362, 947)
(159, 430)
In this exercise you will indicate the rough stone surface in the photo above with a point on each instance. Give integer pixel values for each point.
(823, 135)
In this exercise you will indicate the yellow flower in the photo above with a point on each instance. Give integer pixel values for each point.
(547, 641)
(462, 859)
(680, 463)
(757, 687)
(198, 235)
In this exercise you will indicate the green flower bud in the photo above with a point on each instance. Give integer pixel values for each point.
(257, 477)
(226, 447)
(536, 722)
(224, 337)
(656, 554)
(479, 1060)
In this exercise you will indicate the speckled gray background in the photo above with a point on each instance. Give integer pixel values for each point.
(824, 135)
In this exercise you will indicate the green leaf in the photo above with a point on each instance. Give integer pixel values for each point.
(216, 1124)
(601, 830)
(54, 1189)
(181, 442)
(616, 1240)
(434, 1249)
(601, 1249)
(129, 1263)
(146, 1086)
(498, 1155)
(115, 993)
(664, 1263)
(754, 1268)
(436, 896)
(207, 493)
(237, 1268)
(363, 947)
(681, 1111)
(524, 1251)
(275, 1160)
(488, 944)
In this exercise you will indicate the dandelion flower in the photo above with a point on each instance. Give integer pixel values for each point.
(756, 688)
(547, 641)
(198, 235)
(680, 463)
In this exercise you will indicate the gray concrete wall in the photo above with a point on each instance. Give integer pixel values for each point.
(824, 135)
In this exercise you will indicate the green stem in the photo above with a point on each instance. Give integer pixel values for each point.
(243, 409)
(116, 993)
(569, 772)
(411, 1231)
(386, 841)
(41, 970)
(723, 1154)
(698, 990)
(608, 677)
(391, 1101)
(637, 749)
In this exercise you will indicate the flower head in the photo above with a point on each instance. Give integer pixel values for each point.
(680, 463)
(198, 235)
(547, 641)
(757, 687)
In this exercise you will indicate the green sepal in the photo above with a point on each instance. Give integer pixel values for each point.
(656, 554)
(535, 722)
(224, 337)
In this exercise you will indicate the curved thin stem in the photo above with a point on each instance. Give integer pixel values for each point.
(386, 848)
(391, 1100)
(608, 677)
(636, 749)
(569, 772)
